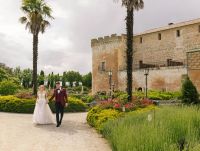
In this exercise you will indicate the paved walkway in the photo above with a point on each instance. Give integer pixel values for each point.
(17, 133)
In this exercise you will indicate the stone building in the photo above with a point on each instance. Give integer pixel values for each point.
(169, 52)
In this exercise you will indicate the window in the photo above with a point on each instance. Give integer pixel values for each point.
(103, 66)
(159, 36)
(178, 34)
(141, 39)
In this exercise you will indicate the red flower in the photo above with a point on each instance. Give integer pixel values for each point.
(117, 106)
(146, 102)
(129, 106)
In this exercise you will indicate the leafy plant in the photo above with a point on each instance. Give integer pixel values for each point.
(8, 87)
(97, 117)
(189, 92)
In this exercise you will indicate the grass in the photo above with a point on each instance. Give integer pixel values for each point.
(168, 129)
(159, 95)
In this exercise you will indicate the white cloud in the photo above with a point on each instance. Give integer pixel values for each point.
(84, 3)
(66, 44)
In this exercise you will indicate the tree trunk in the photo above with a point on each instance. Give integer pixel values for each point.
(35, 58)
(129, 51)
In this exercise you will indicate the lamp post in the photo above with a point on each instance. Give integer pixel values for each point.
(113, 89)
(146, 73)
(110, 81)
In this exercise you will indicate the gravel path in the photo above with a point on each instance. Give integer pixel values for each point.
(17, 133)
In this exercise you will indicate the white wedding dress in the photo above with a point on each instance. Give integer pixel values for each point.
(42, 112)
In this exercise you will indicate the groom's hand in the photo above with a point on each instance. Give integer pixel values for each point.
(66, 104)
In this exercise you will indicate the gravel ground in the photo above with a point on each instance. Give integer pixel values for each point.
(17, 133)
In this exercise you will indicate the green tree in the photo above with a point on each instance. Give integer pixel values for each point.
(27, 78)
(52, 81)
(87, 80)
(131, 6)
(36, 12)
(57, 77)
(7, 69)
(8, 87)
(18, 73)
(41, 78)
(64, 79)
(3, 74)
(73, 76)
(49, 80)
(189, 92)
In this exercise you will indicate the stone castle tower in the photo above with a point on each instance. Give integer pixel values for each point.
(164, 51)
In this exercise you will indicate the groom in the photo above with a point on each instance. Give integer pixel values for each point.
(60, 98)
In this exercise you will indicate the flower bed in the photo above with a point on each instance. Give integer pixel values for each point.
(128, 106)
(114, 108)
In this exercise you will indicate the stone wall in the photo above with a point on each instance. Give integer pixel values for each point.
(151, 47)
(168, 79)
(105, 50)
(194, 67)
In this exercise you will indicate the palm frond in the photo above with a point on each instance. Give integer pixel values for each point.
(133, 4)
(47, 11)
(28, 25)
(37, 11)
(23, 19)
(44, 25)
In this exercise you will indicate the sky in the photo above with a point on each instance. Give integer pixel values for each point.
(66, 45)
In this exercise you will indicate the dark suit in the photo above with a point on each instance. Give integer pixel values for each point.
(60, 100)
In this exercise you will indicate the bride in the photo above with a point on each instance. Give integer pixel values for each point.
(42, 112)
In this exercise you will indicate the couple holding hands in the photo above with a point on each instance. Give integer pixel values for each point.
(42, 112)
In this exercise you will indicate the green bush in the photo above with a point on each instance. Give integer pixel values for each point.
(78, 96)
(17, 105)
(8, 87)
(159, 95)
(189, 92)
(76, 105)
(97, 117)
(87, 98)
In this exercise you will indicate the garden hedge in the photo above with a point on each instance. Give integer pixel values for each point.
(17, 105)
(97, 116)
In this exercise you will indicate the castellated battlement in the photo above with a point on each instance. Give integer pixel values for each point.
(106, 39)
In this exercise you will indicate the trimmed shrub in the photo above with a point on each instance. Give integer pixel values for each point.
(76, 105)
(189, 92)
(8, 87)
(17, 105)
(98, 117)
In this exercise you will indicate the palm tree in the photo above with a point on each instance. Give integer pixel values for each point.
(36, 12)
(131, 6)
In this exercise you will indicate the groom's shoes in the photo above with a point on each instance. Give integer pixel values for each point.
(58, 125)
